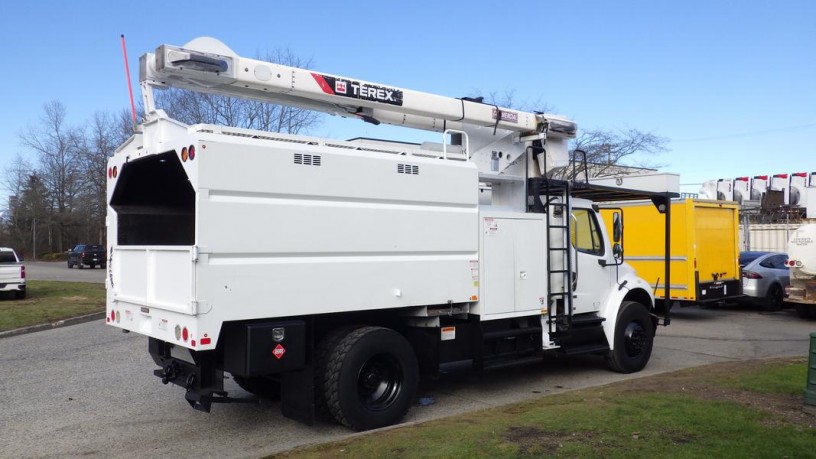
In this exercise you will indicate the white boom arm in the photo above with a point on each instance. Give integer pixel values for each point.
(207, 65)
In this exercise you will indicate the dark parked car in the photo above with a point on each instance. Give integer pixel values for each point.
(87, 255)
(764, 278)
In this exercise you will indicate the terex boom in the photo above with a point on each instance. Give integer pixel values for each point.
(335, 274)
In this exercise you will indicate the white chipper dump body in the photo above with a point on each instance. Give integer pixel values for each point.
(335, 274)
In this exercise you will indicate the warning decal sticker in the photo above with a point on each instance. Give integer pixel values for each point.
(278, 351)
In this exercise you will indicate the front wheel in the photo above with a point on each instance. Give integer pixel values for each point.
(634, 338)
(370, 378)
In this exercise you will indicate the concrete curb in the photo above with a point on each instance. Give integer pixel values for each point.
(57, 324)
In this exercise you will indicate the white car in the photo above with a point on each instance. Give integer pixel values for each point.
(764, 278)
(12, 273)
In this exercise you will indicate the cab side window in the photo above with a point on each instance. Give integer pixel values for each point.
(584, 232)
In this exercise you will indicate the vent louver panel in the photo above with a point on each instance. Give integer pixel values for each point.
(407, 169)
(307, 160)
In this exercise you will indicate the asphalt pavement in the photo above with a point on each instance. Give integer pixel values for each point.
(59, 271)
(88, 390)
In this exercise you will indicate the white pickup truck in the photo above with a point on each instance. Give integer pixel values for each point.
(12, 273)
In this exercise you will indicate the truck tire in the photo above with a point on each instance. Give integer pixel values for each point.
(634, 338)
(370, 378)
(260, 386)
(323, 353)
(70, 265)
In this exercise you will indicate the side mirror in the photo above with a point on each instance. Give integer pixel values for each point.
(617, 228)
(617, 251)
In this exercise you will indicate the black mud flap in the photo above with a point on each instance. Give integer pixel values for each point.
(297, 396)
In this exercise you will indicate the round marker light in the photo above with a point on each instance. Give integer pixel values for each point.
(112, 315)
(185, 335)
(110, 173)
(114, 171)
(192, 152)
(118, 317)
(184, 154)
(178, 332)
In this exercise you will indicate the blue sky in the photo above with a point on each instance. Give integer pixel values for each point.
(732, 84)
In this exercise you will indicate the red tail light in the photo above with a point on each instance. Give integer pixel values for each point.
(22, 272)
(751, 275)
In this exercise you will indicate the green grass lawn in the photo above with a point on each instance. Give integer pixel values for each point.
(50, 301)
(738, 409)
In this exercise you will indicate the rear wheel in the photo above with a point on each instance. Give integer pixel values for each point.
(774, 298)
(634, 338)
(370, 378)
(70, 265)
(20, 294)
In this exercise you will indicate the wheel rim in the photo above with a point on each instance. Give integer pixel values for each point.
(634, 339)
(380, 382)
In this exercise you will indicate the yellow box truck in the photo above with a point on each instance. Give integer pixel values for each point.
(704, 248)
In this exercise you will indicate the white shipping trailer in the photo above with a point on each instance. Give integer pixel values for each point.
(335, 274)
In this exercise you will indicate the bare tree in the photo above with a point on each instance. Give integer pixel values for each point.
(607, 150)
(195, 107)
(17, 217)
(60, 165)
(105, 132)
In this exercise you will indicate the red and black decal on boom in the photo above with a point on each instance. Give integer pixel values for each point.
(357, 90)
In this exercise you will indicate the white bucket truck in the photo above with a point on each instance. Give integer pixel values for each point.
(335, 274)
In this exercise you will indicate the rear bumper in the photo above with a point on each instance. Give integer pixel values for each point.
(720, 290)
(101, 260)
(13, 287)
